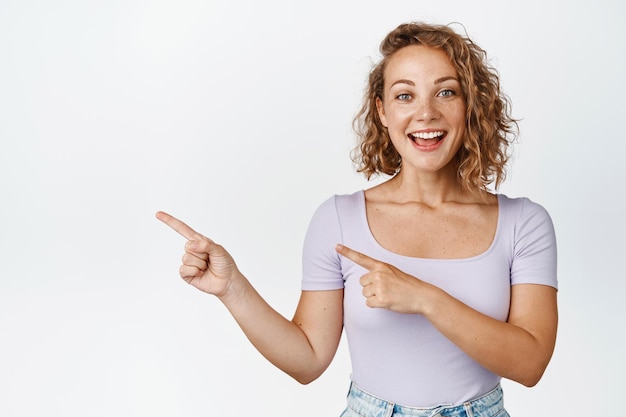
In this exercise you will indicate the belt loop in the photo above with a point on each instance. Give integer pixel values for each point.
(468, 409)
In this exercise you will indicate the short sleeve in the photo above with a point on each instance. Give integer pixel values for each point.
(535, 254)
(321, 266)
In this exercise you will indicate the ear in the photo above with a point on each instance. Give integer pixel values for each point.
(381, 111)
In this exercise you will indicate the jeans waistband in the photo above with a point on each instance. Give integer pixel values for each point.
(365, 404)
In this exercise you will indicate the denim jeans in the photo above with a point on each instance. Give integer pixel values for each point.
(362, 404)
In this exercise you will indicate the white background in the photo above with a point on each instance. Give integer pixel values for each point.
(235, 116)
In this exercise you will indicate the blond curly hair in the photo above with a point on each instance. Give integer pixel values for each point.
(490, 129)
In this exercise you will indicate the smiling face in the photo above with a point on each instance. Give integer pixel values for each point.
(423, 108)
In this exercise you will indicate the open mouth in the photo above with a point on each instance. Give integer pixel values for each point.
(427, 138)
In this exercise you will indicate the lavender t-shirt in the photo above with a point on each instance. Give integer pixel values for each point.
(402, 358)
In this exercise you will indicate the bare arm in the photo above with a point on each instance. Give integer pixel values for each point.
(518, 349)
(302, 347)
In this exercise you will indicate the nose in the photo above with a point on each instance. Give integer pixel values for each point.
(426, 110)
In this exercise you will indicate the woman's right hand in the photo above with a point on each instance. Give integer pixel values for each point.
(206, 265)
(302, 347)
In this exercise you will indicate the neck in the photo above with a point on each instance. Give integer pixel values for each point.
(431, 189)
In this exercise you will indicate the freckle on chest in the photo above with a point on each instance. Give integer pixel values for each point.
(412, 230)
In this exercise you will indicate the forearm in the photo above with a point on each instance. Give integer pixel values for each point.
(507, 349)
(278, 339)
(518, 349)
(304, 347)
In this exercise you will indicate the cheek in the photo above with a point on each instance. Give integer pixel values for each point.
(457, 117)
(461, 111)
(397, 117)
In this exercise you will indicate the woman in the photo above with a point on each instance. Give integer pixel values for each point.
(442, 286)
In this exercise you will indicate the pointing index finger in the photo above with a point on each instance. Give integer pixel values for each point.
(357, 257)
(178, 226)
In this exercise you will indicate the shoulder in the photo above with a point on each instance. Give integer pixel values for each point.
(527, 220)
(522, 209)
(534, 241)
(338, 203)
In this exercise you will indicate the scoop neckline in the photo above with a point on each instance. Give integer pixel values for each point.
(372, 239)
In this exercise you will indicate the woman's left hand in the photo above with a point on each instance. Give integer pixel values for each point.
(518, 349)
(385, 286)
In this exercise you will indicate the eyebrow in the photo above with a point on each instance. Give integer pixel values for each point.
(437, 81)
(442, 79)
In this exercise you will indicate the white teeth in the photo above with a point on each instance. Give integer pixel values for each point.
(427, 135)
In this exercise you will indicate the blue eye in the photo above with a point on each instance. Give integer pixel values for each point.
(404, 97)
(446, 93)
